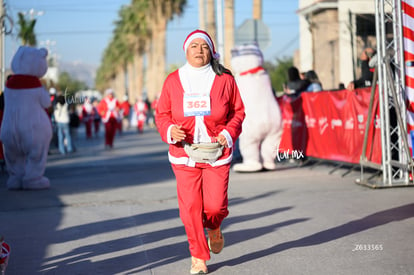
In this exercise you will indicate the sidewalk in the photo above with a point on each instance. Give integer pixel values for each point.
(115, 212)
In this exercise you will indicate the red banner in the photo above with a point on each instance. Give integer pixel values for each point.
(331, 125)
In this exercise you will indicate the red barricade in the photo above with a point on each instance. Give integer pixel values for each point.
(331, 125)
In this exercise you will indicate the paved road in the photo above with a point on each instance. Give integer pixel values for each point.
(115, 212)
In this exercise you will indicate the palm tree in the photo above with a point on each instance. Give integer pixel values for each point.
(120, 55)
(135, 28)
(125, 55)
(159, 13)
(112, 69)
(26, 32)
(141, 30)
(116, 58)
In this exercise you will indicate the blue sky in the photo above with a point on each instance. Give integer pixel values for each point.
(80, 30)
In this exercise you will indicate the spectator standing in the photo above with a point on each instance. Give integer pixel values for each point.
(53, 97)
(367, 73)
(61, 115)
(87, 117)
(295, 85)
(96, 117)
(74, 123)
(315, 84)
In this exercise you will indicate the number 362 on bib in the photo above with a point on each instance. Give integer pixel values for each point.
(196, 105)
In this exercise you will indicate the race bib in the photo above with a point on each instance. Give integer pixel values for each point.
(196, 105)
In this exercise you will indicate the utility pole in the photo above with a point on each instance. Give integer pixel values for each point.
(257, 15)
(257, 9)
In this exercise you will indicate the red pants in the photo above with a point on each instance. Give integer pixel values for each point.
(110, 131)
(97, 124)
(202, 200)
(120, 126)
(140, 125)
(88, 128)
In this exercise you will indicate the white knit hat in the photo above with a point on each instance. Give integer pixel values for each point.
(203, 35)
(109, 91)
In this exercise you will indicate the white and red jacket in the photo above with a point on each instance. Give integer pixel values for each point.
(109, 108)
(87, 111)
(227, 115)
(141, 109)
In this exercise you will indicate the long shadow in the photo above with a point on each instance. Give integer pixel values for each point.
(30, 219)
(231, 239)
(239, 200)
(86, 230)
(154, 257)
(368, 222)
(238, 219)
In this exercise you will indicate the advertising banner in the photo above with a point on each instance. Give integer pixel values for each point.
(331, 125)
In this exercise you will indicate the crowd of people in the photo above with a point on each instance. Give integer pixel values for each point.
(90, 113)
(35, 120)
(309, 81)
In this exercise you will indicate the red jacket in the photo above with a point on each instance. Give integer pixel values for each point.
(125, 106)
(108, 111)
(227, 112)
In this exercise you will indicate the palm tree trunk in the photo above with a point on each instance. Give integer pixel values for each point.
(112, 83)
(120, 83)
(211, 20)
(131, 78)
(160, 56)
(201, 14)
(139, 76)
(115, 82)
(156, 69)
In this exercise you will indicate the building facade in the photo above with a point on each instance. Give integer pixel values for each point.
(333, 34)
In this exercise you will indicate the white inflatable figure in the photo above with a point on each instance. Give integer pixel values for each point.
(262, 127)
(26, 130)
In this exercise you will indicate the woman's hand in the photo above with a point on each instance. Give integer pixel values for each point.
(177, 134)
(222, 140)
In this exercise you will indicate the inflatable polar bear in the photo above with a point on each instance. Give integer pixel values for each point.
(26, 130)
(262, 127)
